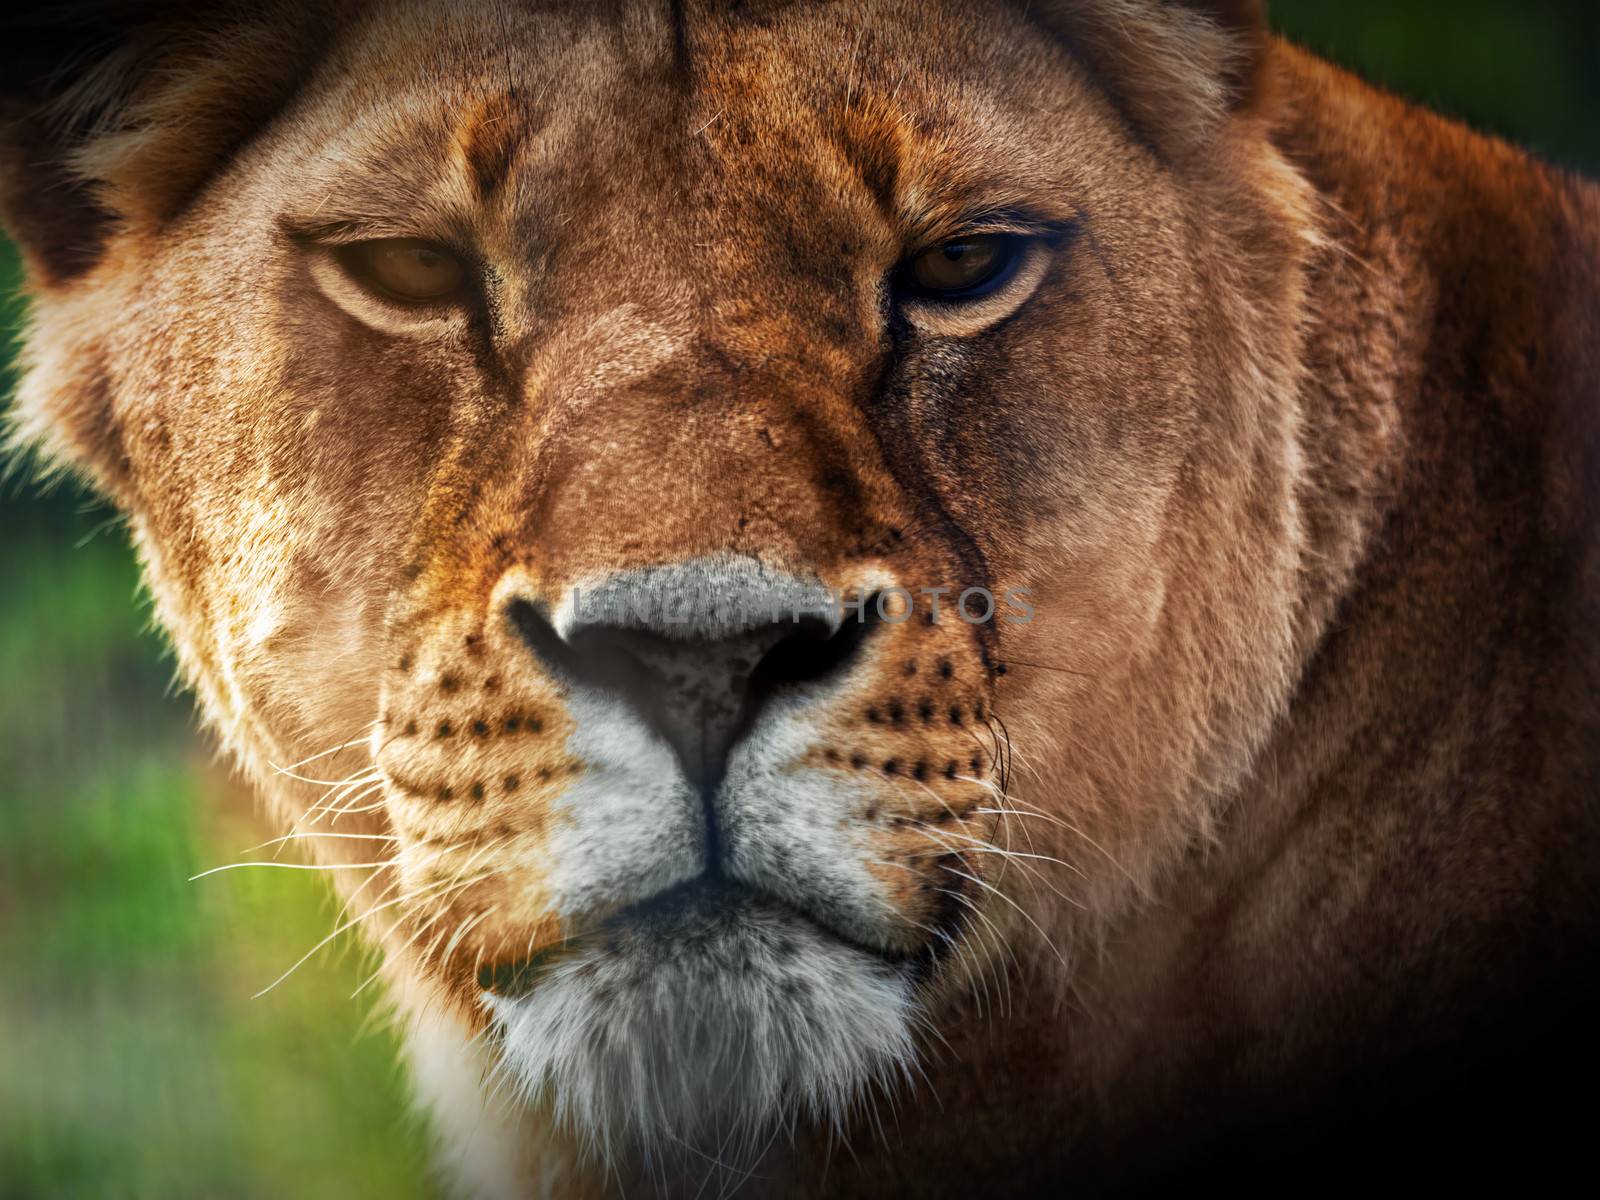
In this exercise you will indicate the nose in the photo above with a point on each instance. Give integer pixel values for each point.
(697, 650)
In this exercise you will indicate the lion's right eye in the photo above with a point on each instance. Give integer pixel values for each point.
(409, 270)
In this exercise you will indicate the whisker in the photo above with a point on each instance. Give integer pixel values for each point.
(294, 766)
(999, 939)
(990, 848)
(1020, 910)
(431, 857)
(332, 783)
(1033, 872)
(348, 925)
(299, 836)
(282, 866)
(338, 800)
(1034, 813)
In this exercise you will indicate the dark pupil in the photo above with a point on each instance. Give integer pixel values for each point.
(963, 265)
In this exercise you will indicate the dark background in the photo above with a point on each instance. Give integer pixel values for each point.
(132, 1060)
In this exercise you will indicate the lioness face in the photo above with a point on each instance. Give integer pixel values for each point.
(590, 417)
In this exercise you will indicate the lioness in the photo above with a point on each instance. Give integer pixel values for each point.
(921, 597)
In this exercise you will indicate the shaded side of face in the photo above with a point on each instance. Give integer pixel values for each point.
(580, 419)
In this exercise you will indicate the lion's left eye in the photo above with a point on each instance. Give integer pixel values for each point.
(407, 269)
(967, 268)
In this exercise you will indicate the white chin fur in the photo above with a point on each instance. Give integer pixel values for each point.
(706, 1029)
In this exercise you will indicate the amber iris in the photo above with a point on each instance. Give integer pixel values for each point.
(965, 267)
(408, 269)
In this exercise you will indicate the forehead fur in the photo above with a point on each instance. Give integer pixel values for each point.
(934, 110)
(159, 98)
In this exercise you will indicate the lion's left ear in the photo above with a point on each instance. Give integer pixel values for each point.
(1177, 68)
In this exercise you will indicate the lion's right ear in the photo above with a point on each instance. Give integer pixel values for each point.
(1178, 69)
(114, 113)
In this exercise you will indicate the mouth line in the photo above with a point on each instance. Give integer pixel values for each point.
(718, 897)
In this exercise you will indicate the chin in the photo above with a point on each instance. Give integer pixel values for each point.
(705, 1022)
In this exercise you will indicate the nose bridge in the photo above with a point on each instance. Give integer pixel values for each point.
(743, 449)
(702, 600)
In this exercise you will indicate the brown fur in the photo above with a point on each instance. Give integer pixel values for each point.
(1295, 446)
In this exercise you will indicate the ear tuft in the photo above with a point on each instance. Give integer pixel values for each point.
(1246, 22)
(113, 113)
(1177, 68)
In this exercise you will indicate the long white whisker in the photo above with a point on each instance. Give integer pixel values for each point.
(991, 848)
(339, 800)
(1037, 814)
(431, 857)
(332, 783)
(300, 836)
(294, 766)
(1033, 872)
(1020, 910)
(282, 866)
(999, 940)
(348, 925)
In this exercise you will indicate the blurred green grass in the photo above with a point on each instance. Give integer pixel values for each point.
(132, 1061)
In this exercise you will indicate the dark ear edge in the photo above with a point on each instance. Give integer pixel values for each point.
(53, 215)
(1247, 21)
(51, 52)
(113, 113)
(1176, 69)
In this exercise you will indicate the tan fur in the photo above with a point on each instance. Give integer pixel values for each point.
(1294, 448)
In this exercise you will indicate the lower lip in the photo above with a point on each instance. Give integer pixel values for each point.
(710, 904)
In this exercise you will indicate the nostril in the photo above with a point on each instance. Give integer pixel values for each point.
(540, 636)
(535, 630)
(700, 694)
(815, 652)
(592, 657)
(812, 653)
